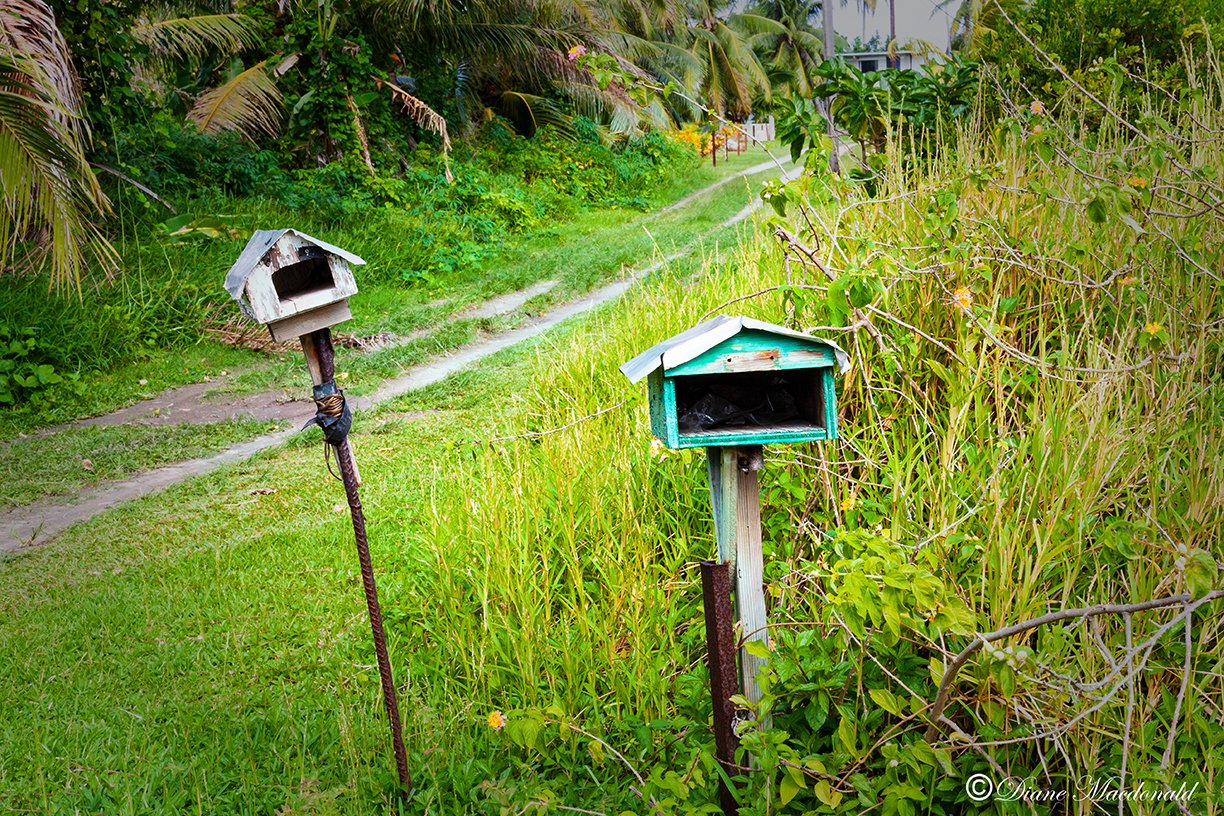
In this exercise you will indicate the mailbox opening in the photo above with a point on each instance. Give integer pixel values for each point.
(755, 400)
(303, 278)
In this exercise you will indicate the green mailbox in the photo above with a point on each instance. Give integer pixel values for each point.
(735, 381)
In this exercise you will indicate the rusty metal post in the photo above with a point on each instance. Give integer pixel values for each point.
(720, 650)
(324, 358)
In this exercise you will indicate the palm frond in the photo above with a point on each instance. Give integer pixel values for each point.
(193, 36)
(250, 104)
(426, 118)
(752, 24)
(28, 31)
(529, 113)
(50, 197)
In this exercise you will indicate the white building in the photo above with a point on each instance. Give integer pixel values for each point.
(877, 60)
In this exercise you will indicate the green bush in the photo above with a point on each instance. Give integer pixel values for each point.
(177, 161)
(107, 324)
(23, 373)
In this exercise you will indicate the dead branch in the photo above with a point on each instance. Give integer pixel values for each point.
(958, 662)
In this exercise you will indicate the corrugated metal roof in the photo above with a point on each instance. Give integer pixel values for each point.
(258, 246)
(688, 345)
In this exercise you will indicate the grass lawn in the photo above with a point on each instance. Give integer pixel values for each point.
(35, 467)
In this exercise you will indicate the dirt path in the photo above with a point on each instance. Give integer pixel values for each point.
(38, 523)
(691, 197)
(203, 403)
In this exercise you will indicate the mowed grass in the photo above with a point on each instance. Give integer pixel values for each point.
(34, 467)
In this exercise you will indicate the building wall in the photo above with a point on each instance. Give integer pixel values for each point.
(877, 61)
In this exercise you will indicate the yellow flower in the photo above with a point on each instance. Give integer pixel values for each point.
(847, 503)
(962, 298)
(1037, 108)
(497, 721)
(1138, 181)
(1153, 328)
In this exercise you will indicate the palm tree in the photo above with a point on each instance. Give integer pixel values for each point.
(53, 204)
(514, 55)
(51, 198)
(974, 21)
(731, 73)
(794, 47)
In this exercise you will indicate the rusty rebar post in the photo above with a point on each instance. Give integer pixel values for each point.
(720, 650)
(325, 355)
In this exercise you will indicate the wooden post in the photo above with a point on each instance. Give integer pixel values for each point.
(735, 496)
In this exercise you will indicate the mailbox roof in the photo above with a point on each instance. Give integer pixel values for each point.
(255, 250)
(688, 345)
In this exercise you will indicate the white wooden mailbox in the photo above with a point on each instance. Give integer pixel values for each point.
(293, 283)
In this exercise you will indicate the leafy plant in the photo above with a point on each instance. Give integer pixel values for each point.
(23, 374)
(52, 202)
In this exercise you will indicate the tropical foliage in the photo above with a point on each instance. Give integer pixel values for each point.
(1007, 566)
(910, 109)
(52, 201)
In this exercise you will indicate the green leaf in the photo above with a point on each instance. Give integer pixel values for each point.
(792, 783)
(826, 794)
(1096, 210)
(847, 735)
(937, 670)
(886, 700)
(1201, 572)
(47, 376)
(757, 648)
(892, 618)
(1007, 679)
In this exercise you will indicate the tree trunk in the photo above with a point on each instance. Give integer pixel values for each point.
(830, 48)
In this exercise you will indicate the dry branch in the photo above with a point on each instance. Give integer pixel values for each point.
(425, 117)
(945, 685)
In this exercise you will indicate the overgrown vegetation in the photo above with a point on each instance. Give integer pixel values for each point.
(1009, 565)
(1033, 317)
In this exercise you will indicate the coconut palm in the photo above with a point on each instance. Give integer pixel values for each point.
(793, 48)
(514, 56)
(53, 203)
(975, 20)
(51, 198)
(731, 72)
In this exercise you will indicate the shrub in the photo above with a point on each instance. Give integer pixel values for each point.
(23, 373)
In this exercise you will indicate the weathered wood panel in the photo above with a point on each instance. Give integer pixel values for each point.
(757, 351)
